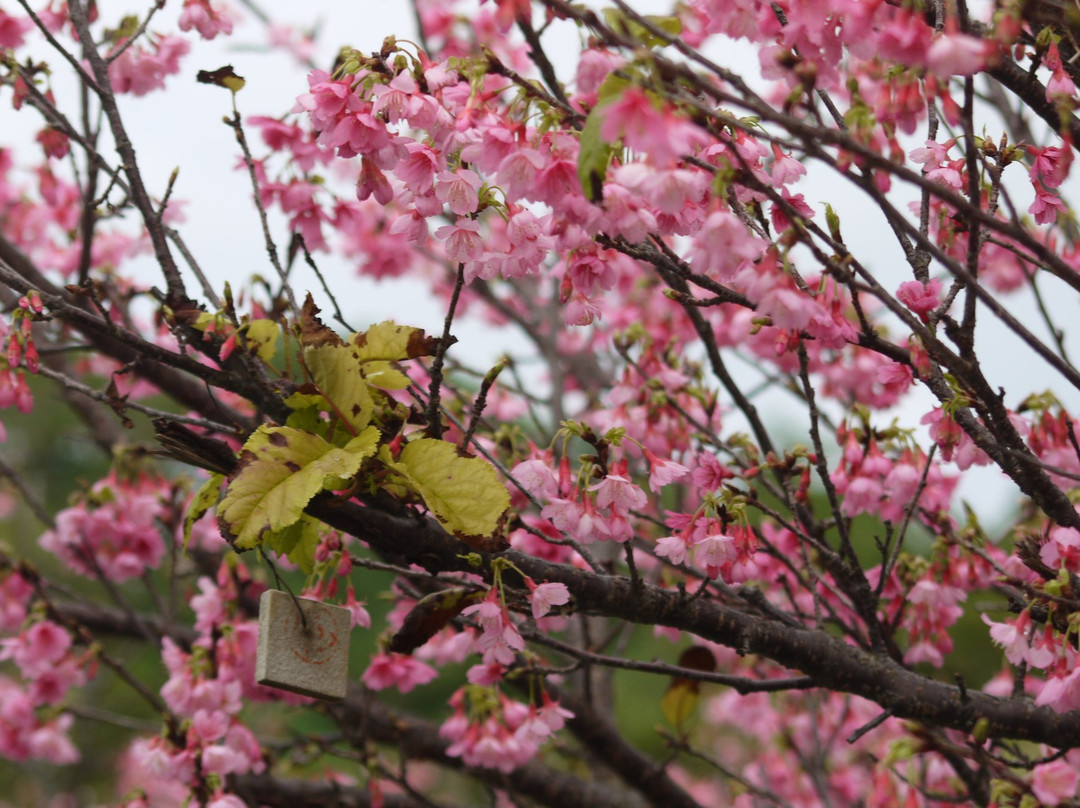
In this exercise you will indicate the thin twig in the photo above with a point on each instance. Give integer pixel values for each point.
(434, 424)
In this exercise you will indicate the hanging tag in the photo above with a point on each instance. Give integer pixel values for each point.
(313, 663)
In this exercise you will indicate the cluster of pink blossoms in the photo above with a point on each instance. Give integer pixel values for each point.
(590, 513)
(48, 667)
(890, 487)
(441, 169)
(502, 736)
(208, 685)
(490, 730)
(115, 531)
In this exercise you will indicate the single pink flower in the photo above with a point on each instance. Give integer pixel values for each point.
(463, 242)
(389, 669)
(673, 548)
(921, 298)
(663, 472)
(620, 493)
(1055, 782)
(459, 190)
(713, 552)
(956, 55)
(546, 595)
(1047, 205)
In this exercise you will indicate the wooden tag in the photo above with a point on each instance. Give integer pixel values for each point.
(315, 663)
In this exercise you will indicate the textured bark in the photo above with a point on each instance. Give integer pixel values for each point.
(829, 661)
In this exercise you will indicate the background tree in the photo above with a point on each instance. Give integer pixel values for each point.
(648, 222)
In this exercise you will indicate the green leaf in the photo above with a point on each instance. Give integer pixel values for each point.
(464, 493)
(306, 414)
(628, 27)
(680, 700)
(205, 498)
(297, 542)
(667, 24)
(900, 750)
(594, 153)
(833, 221)
(336, 372)
(280, 470)
(611, 89)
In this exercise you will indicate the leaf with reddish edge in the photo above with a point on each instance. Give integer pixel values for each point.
(681, 697)
(464, 493)
(311, 330)
(281, 470)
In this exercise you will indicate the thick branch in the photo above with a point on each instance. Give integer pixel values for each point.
(829, 661)
(265, 789)
(419, 739)
(172, 372)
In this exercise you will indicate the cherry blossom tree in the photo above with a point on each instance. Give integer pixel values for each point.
(606, 521)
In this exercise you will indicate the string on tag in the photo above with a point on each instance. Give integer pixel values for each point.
(283, 584)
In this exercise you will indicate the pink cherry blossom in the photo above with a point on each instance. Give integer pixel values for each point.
(714, 552)
(388, 669)
(956, 55)
(499, 640)
(138, 70)
(663, 472)
(1047, 205)
(1050, 165)
(1054, 783)
(458, 190)
(463, 243)
(226, 801)
(620, 493)
(12, 30)
(921, 298)
(208, 19)
(547, 595)
(672, 548)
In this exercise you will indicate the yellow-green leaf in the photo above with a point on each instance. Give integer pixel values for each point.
(464, 493)
(202, 320)
(392, 343)
(679, 702)
(622, 23)
(297, 542)
(672, 26)
(205, 498)
(336, 372)
(280, 470)
(681, 698)
(385, 343)
(307, 416)
(223, 77)
(262, 335)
